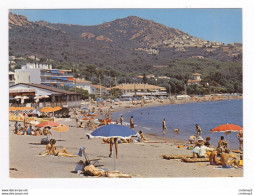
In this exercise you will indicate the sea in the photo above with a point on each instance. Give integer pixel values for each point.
(207, 115)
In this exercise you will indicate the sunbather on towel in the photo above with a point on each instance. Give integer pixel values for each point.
(225, 159)
(91, 170)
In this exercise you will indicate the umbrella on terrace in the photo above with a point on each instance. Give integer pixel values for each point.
(113, 131)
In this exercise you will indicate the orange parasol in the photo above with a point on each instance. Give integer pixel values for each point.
(48, 124)
(227, 127)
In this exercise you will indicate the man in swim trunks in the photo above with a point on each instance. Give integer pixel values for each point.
(164, 127)
(131, 123)
(225, 159)
(121, 119)
(113, 141)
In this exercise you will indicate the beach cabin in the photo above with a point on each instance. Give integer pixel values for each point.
(37, 95)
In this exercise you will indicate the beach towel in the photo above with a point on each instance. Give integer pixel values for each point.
(192, 160)
(224, 167)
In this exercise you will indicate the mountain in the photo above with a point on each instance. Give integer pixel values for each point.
(130, 44)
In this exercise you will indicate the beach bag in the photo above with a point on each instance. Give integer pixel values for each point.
(44, 141)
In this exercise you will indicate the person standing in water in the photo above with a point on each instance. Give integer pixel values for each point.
(164, 127)
(131, 123)
(121, 119)
(198, 129)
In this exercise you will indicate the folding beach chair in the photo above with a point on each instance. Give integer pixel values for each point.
(94, 162)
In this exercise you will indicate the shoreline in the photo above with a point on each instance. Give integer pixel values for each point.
(120, 109)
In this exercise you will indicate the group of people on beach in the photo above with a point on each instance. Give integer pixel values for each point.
(28, 129)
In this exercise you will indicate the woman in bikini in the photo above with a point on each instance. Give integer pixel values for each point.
(51, 150)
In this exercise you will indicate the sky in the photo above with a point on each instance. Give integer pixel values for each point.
(222, 25)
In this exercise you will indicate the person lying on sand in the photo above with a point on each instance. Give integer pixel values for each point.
(91, 170)
(225, 159)
(51, 150)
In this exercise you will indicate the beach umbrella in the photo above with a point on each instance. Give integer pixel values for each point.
(61, 128)
(84, 108)
(25, 97)
(226, 128)
(18, 97)
(34, 122)
(48, 124)
(113, 131)
(45, 96)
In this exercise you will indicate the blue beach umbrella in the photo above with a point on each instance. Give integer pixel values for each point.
(113, 131)
(84, 108)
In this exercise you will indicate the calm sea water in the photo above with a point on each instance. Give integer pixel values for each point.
(184, 117)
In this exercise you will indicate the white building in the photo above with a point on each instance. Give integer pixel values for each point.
(196, 79)
(44, 74)
(98, 90)
(83, 84)
(138, 89)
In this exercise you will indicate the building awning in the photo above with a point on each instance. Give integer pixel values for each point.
(64, 79)
(69, 85)
(55, 71)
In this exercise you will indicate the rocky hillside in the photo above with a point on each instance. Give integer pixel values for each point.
(129, 44)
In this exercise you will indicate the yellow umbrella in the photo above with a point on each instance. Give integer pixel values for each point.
(50, 109)
(61, 128)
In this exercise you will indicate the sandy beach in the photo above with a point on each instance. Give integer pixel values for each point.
(141, 160)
